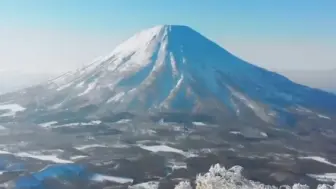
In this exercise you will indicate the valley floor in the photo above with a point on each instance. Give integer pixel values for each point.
(142, 154)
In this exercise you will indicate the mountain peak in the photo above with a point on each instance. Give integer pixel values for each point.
(159, 31)
(162, 29)
(167, 38)
(173, 68)
(148, 42)
(170, 27)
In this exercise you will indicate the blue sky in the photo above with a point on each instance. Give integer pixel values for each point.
(304, 27)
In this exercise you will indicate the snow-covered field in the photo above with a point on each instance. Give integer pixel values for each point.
(51, 158)
(319, 159)
(54, 124)
(164, 148)
(152, 154)
(11, 109)
(327, 177)
(88, 146)
(102, 178)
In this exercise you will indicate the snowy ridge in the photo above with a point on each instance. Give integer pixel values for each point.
(220, 178)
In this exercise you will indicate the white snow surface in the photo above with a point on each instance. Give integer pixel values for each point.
(198, 123)
(84, 147)
(116, 98)
(81, 84)
(146, 185)
(48, 124)
(64, 86)
(90, 87)
(178, 165)
(323, 116)
(263, 134)
(165, 148)
(94, 122)
(254, 106)
(326, 177)
(55, 125)
(140, 40)
(319, 159)
(162, 148)
(103, 178)
(78, 157)
(52, 158)
(235, 132)
(123, 121)
(148, 61)
(249, 103)
(183, 185)
(4, 152)
(11, 108)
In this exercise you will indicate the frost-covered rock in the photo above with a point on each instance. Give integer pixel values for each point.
(326, 186)
(183, 185)
(300, 186)
(237, 169)
(220, 178)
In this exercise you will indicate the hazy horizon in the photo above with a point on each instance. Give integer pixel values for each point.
(48, 36)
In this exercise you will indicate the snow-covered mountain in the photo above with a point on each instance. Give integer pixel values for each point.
(172, 68)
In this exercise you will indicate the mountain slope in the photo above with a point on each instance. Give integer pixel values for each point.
(173, 68)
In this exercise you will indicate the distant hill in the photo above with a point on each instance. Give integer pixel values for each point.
(322, 79)
(11, 80)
